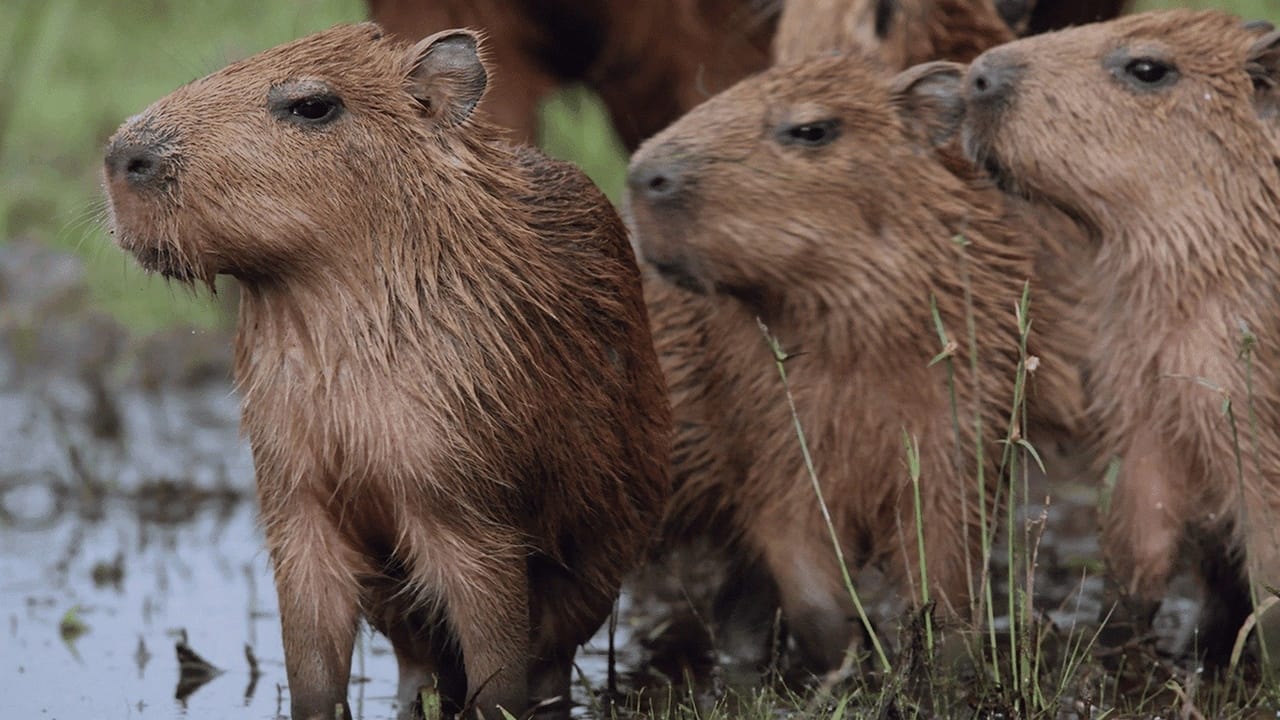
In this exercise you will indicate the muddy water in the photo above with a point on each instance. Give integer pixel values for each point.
(133, 582)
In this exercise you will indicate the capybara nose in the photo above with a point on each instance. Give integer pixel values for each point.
(137, 161)
(993, 77)
(655, 180)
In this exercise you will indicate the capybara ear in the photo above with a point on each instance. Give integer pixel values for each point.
(447, 76)
(1263, 65)
(930, 99)
(1016, 13)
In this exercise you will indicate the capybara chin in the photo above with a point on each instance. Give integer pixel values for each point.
(459, 427)
(811, 195)
(1147, 129)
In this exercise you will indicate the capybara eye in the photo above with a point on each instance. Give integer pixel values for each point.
(315, 110)
(1147, 71)
(813, 134)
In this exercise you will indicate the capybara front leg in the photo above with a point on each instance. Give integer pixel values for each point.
(815, 602)
(319, 613)
(1142, 530)
(488, 604)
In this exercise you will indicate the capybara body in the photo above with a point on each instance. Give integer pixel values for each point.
(811, 196)
(900, 34)
(1147, 130)
(650, 61)
(459, 427)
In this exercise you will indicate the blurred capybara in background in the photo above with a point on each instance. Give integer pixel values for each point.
(653, 60)
(1147, 130)
(650, 61)
(811, 195)
(900, 34)
(458, 423)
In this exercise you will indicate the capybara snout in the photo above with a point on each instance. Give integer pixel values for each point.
(141, 158)
(993, 78)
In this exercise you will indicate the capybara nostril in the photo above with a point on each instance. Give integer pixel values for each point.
(140, 164)
(656, 180)
(993, 77)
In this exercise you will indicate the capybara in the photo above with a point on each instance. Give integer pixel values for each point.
(653, 60)
(1147, 130)
(459, 426)
(901, 34)
(650, 61)
(811, 195)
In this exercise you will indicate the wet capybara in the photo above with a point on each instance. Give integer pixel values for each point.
(650, 61)
(1147, 130)
(458, 423)
(900, 34)
(811, 196)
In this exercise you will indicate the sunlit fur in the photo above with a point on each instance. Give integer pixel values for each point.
(917, 30)
(839, 249)
(458, 424)
(1181, 190)
(649, 60)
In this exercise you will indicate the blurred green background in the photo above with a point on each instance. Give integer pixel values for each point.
(72, 70)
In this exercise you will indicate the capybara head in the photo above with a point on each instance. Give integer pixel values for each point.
(224, 175)
(800, 154)
(1113, 119)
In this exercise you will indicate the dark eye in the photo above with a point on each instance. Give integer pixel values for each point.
(814, 134)
(315, 110)
(1147, 71)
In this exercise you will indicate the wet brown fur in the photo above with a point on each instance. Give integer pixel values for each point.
(838, 249)
(458, 424)
(650, 61)
(1180, 187)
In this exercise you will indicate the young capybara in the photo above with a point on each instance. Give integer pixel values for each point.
(811, 196)
(1147, 130)
(650, 61)
(458, 423)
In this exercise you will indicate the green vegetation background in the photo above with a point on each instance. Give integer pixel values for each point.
(72, 70)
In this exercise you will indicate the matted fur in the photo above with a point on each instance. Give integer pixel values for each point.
(459, 427)
(839, 249)
(1180, 189)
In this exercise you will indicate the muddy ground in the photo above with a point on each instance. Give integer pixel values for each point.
(133, 582)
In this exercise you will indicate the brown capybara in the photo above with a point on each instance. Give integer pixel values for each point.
(650, 61)
(900, 34)
(458, 423)
(811, 196)
(1147, 130)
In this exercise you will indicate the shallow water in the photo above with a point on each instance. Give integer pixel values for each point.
(102, 580)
